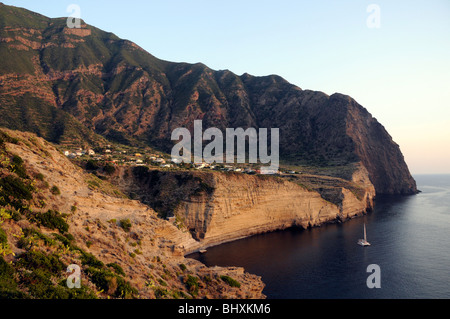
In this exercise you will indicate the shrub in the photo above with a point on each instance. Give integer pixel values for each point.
(4, 215)
(17, 164)
(30, 234)
(5, 137)
(16, 216)
(33, 260)
(3, 237)
(183, 267)
(111, 283)
(8, 286)
(192, 285)
(65, 240)
(13, 190)
(55, 190)
(53, 220)
(89, 259)
(160, 292)
(230, 281)
(91, 165)
(117, 269)
(125, 224)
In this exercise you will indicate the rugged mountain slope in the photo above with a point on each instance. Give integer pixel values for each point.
(53, 214)
(88, 82)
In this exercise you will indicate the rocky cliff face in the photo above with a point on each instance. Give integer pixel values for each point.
(67, 85)
(218, 207)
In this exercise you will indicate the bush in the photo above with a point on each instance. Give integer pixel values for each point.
(183, 267)
(17, 163)
(65, 240)
(91, 165)
(33, 260)
(3, 237)
(111, 283)
(89, 259)
(192, 285)
(117, 269)
(30, 234)
(125, 224)
(13, 190)
(8, 286)
(55, 190)
(230, 281)
(53, 220)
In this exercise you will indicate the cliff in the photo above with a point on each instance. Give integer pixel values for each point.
(86, 85)
(219, 207)
(53, 214)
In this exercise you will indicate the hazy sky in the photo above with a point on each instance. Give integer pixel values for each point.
(400, 71)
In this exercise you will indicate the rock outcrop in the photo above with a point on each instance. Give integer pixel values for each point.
(219, 207)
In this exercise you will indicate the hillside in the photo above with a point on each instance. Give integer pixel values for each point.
(89, 85)
(53, 214)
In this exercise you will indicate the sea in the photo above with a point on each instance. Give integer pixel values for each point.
(409, 256)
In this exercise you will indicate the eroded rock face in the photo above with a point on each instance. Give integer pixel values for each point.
(219, 207)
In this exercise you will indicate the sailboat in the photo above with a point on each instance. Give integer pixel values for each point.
(364, 242)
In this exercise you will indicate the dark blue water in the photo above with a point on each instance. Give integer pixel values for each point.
(410, 239)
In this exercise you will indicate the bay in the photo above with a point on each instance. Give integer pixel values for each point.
(410, 242)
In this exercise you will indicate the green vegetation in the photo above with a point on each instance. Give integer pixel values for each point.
(13, 191)
(55, 190)
(125, 224)
(53, 220)
(88, 259)
(3, 237)
(111, 283)
(17, 166)
(192, 285)
(92, 165)
(31, 237)
(8, 286)
(117, 269)
(230, 281)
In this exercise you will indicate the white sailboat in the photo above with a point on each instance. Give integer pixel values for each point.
(364, 242)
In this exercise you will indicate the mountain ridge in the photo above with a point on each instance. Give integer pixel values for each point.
(87, 84)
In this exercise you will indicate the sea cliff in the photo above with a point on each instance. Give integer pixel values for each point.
(218, 207)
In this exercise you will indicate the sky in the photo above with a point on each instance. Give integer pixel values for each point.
(392, 57)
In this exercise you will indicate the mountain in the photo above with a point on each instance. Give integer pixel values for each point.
(86, 84)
